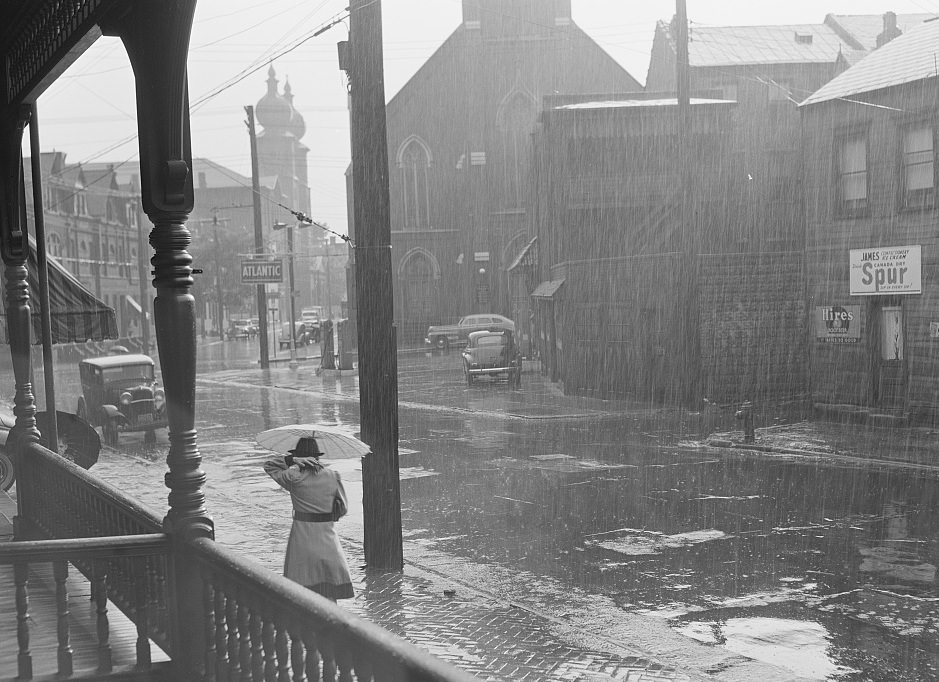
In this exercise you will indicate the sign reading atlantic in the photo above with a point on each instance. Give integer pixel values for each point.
(262, 271)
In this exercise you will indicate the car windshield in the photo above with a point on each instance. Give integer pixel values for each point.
(128, 373)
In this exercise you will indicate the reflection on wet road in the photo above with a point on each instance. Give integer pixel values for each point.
(826, 569)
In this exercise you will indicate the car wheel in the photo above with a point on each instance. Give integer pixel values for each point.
(149, 437)
(442, 342)
(7, 476)
(110, 433)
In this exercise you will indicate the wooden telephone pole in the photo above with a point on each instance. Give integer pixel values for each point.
(258, 236)
(378, 368)
(690, 367)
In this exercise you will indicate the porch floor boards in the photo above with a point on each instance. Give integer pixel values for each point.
(43, 624)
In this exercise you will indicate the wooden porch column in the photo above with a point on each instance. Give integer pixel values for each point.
(156, 36)
(14, 250)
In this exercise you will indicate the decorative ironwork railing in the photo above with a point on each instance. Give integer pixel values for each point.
(255, 625)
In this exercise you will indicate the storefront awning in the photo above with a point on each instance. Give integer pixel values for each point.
(527, 257)
(132, 302)
(77, 314)
(547, 289)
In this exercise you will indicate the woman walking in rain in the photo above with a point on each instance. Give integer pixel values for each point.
(314, 556)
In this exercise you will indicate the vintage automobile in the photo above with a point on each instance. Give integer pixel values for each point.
(444, 336)
(305, 335)
(492, 354)
(119, 394)
(242, 329)
(313, 319)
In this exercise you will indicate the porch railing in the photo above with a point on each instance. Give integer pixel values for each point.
(97, 555)
(256, 625)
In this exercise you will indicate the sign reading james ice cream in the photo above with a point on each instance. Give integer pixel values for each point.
(886, 271)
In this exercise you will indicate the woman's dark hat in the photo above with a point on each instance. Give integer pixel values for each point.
(306, 447)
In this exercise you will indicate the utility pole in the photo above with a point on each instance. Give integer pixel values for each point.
(219, 312)
(258, 234)
(291, 294)
(378, 369)
(329, 296)
(686, 235)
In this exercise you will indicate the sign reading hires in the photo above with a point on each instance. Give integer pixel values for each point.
(886, 271)
(838, 323)
(258, 271)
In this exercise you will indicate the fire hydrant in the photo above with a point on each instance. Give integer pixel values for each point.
(745, 414)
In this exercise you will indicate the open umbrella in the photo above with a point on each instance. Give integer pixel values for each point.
(334, 444)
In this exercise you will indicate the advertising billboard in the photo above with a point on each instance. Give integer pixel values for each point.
(886, 271)
(838, 323)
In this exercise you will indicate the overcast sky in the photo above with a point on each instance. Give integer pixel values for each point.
(90, 112)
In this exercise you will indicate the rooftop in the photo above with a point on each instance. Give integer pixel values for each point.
(738, 45)
(908, 58)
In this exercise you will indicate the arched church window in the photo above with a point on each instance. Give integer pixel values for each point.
(414, 161)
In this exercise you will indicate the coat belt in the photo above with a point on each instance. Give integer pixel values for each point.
(311, 516)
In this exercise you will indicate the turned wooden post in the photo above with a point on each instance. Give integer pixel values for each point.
(14, 250)
(156, 36)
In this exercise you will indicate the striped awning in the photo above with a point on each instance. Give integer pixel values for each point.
(77, 314)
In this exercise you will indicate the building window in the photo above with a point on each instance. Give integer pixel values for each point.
(54, 246)
(414, 162)
(852, 176)
(918, 167)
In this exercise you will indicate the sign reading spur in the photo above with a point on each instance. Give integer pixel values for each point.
(886, 271)
(262, 271)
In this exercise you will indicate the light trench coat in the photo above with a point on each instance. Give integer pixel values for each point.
(314, 556)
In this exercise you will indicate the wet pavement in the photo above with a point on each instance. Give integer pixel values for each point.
(809, 554)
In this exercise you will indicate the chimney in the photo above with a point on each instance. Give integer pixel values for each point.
(562, 12)
(471, 15)
(890, 29)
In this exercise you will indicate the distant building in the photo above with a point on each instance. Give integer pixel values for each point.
(636, 296)
(91, 213)
(459, 153)
(870, 156)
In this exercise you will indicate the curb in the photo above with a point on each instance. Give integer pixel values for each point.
(756, 448)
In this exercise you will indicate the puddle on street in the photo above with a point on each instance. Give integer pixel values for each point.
(798, 645)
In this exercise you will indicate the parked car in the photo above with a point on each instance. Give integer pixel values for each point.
(492, 354)
(444, 336)
(313, 319)
(120, 394)
(305, 335)
(242, 329)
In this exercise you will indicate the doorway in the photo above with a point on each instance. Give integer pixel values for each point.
(889, 376)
